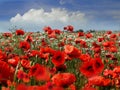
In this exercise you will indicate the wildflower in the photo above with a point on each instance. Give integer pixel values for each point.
(87, 69)
(23, 76)
(2, 55)
(58, 58)
(6, 72)
(25, 63)
(99, 81)
(24, 45)
(80, 34)
(7, 34)
(21, 87)
(69, 28)
(57, 31)
(98, 65)
(14, 61)
(47, 28)
(84, 57)
(20, 32)
(109, 32)
(72, 51)
(88, 35)
(100, 39)
(28, 38)
(39, 72)
(63, 79)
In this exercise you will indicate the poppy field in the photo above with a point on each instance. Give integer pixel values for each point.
(59, 60)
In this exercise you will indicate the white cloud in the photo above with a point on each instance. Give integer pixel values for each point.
(57, 18)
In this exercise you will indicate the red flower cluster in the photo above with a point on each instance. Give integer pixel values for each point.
(58, 60)
(69, 28)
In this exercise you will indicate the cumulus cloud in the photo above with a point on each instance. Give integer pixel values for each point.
(56, 18)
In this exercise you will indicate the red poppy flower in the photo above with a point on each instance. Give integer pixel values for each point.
(57, 88)
(80, 34)
(52, 70)
(57, 31)
(72, 87)
(24, 45)
(21, 87)
(51, 86)
(52, 35)
(116, 69)
(58, 58)
(99, 81)
(100, 39)
(87, 69)
(42, 74)
(28, 38)
(113, 49)
(7, 34)
(113, 36)
(33, 69)
(77, 40)
(14, 61)
(35, 87)
(97, 49)
(89, 88)
(92, 67)
(94, 44)
(108, 43)
(72, 51)
(6, 72)
(43, 42)
(98, 65)
(69, 28)
(61, 44)
(20, 32)
(2, 55)
(109, 32)
(39, 72)
(23, 76)
(83, 43)
(34, 53)
(88, 35)
(84, 57)
(25, 63)
(63, 79)
(45, 52)
(47, 28)
(108, 72)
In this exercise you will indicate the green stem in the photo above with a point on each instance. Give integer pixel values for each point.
(16, 70)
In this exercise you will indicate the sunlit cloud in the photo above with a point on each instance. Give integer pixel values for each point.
(56, 18)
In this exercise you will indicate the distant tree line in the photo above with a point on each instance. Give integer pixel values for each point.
(81, 30)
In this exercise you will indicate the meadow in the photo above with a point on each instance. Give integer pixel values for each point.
(59, 60)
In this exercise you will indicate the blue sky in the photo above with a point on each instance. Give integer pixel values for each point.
(33, 15)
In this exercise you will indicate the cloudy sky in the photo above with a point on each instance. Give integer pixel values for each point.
(33, 15)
